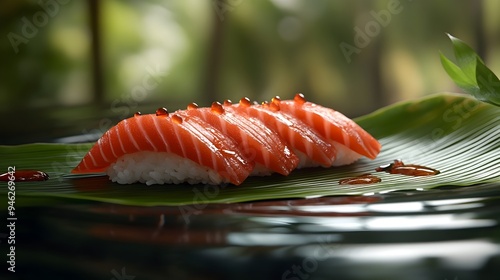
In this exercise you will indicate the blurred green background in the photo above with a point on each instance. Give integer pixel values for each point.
(72, 67)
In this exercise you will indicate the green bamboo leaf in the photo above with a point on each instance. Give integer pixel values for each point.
(488, 83)
(455, 134)
(471, 74)
(458, 76)
(465, 55)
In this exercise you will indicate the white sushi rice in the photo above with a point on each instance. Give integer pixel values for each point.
(304, 160)
(168, 168)
(344, 155)
(160, 168)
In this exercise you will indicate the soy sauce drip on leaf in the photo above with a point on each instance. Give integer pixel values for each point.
(399, 167)
(362, 179)
(24, 176)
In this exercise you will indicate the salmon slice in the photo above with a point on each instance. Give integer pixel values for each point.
(296, 134)
(257, 141)
(332, 125)
(188, 137)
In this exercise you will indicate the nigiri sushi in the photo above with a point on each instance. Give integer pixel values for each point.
(227, 143)
(258, 142)
(158, 149)
(350, 140)
(312, 149)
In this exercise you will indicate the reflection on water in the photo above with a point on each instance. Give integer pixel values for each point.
(398, 236)
(451, 252)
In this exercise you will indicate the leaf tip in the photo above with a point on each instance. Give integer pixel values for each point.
(450, 36)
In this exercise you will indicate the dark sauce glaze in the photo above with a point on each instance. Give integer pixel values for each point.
(299, 99)
(192, 106)
(399, 167)
(24, 176)
(245, 102)
(275, 103)
(162, 112)
(362, 179)
(273, 106)
(217, 108)
(276, 100)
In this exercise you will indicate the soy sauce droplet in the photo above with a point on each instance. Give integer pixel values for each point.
(274, 105)
(299, 99)
(398, 167)
(362, 179)
(162, 112)
(25, 175)
(245, 102)
(228, 102)
(217, 108)
(271, 106)
(192, 106)
(136, 114)
(276, 100)
(176, 119)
